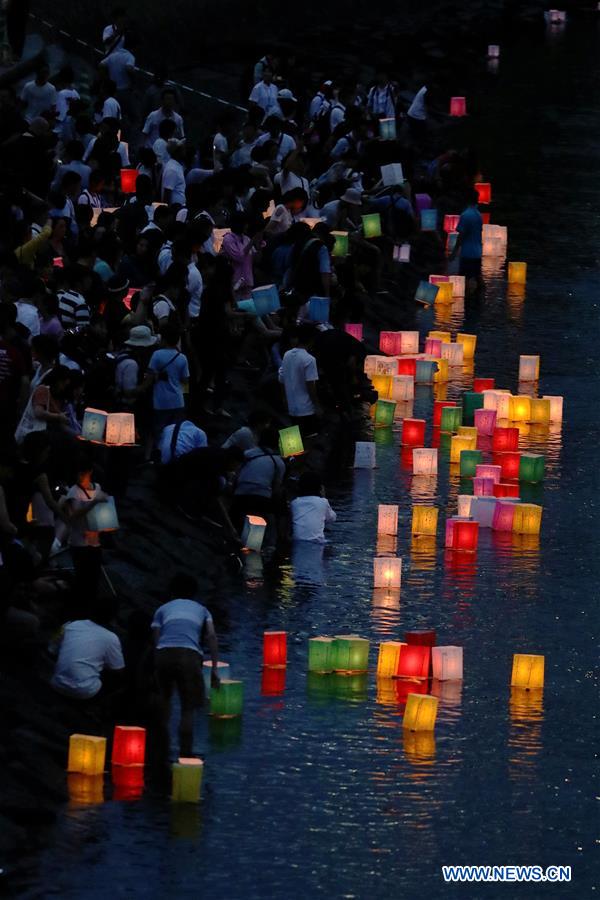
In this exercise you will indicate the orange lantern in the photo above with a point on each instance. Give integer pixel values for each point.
(275, 649)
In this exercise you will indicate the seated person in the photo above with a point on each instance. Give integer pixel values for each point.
(88, 650)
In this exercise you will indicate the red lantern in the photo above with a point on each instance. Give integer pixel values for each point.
(505, 440)
(128, 180)
(484, 189)
(503, 489)
(407, 367)
(406, 458)
(485, 218)
(458, 106)
(450, 223)
(483, 384)
(275, 648)
(390, 342)
(426, 638)
(414, 661)
(438, 406)
(465, 536)
(355, 329)
(413, 432)
(273, 682)
(129, 745)
(128, 782)
(509, 464)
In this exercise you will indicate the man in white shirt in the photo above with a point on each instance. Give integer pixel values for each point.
(264, 94)
(177, 440)
(173, 175)
(310, 511)
(39, 96)
(165, 111)
(120, 65)
(321, 99)
(299, 375)
(417, 112)
(113, 36)
(273, 132)
(87, 651)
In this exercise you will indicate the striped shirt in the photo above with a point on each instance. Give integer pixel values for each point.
(72, 309)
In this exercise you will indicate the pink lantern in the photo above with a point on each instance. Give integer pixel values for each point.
(450, 223)
(354, 329)
(504, 514)
(483, 487)
(390, 342)
(439, 279)
(458, 106)
(485, 421)
(483, 470)
(433, 348)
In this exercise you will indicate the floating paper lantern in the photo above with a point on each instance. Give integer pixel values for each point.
(355, 329)
(275, 648)
(527, 519)
(438, 407)
(487, 471)
(444, 336)
(350, 653)
(428, 219)
(424, 520)
(387, 519)
(465, 502)
(403, 388)
(364, 455)
(318, 309)
(387, 129)
(556, 408)
(510, 464)
(290, 441)
(401, 253)
(483, 384)
(483, 511)
(493, 51)
(425, 370)
(128, 782)
(129, 745)
(470, 402)
(426, 293)
(458, 443)
(504, 489)
(505, 440)
(410, 341)
(386, 365)
(371, 225)
(223, 671)
(447, 663)
(384, 413)
(454, 353)
(383, 385)
(469, 342)
(87, 754)
(414, 661)
(320, 656)
(187, 780)
(458, 106)
(388, 659)
(445, 293)
(462, 534)
(469, 460)
(529, 368)
(120, 429)
(485, 421)
(540, 411)
(458, 283)
(531, 467)
(420, 712)
(527, 671)
(228, 701)
(390, 342)
(85, 789)
(266, 299)
(253, 533)
(413, 432)
(497, 400)
(433, 347)
(370, 364)
(407, 366)
(504, 514)
(387, 571)
(469, 431)
(451, 222)
(425, 461)
(93, 427)
(482, 487)
(342, 246)
(441, 376)
(128, 180)
(484, 189)
(517, 272)
(103, 517)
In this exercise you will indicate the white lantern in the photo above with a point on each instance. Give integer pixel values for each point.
(493, 51)
(529, 368)
(454, 353)
(364, 455)
(447, 663)
(458, 286)
(253, 533)
(556, 408)
(410, 342)
(403, 388)
(103, 517)
(392, 174)
(465, 503)
(387, 519)
(93, 427)
(387, 571)
(120, 428)
(482, 510)
(401, 253)
(425, 461)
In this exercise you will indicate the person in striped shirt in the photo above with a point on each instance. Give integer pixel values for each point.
(73, 309)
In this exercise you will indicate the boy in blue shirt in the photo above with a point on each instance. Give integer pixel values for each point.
(170, 371)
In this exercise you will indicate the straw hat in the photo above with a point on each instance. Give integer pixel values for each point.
(141, 336)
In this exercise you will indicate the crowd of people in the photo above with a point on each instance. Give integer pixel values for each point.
(139, 299)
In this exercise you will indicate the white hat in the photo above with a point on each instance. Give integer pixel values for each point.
(286, 94)
(352, 196)
(141, 336)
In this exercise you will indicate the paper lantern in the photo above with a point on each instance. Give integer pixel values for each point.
(425, 461)
(447, 663)
(527, 671)
(484, 189)
(469, 342)
(527, 519)
(87, 754)
(458, 283)
(458, 443)
(390, 342)
(487, 471)
(428, 219)
(504, 489)
(266, 299)
(445, 293)
(458, 106)
(103, 517)
(465, 501)
(392, 174)
(341, 247)
(387, 129)
(510, 464)
(401, 253)
(498, 401)
(423, 638)
(433, 347)
(529, 368)
(454, 353)
(540, 411)
(531, 467)
(438, 407)
(425, 370)
(505, 440)
(350, 653)
(483, 487)
(370, 364)
(384, 413)
(410, 341)
(383, 385)
(517, 272)
(275, 649)
(482, 510)
(439, 279)
(129, 746)
(318, 309)
(387, 571)
(483, 384)
(320, 657)
(272, 682)
(120, 429)
(420, 712)
(386, 365)
(128, 782)
(388, 659)
(93, 427)
(462, 534)
(441, 376)
(387, 519)
(413, 432)
(557, 16)
(223, 671)
(403, 387)
(128, 180)
(469, 460)
(556, 408)
(355, 329)
(414, 661)
(228, 701)
(407, 366)
(470, 402)
(469, 431)
(364, 455)
(485, 421)
(253, 533)
(451, 222)
(290, 441)
(426, 293)
(424, 520)
(85, 789)
(444, 336)
(504, 514)
(493, 51)
(371, 225)
(186, 780)
(451, 240)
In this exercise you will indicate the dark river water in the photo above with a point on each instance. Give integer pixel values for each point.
(317, 793)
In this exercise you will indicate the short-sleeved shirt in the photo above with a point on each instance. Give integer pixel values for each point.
(261, 473)
(180, 624)
(297, 368)
(86, 650)
(173, 179)
(117, 65)
(73, 309)
(189, 437)
(79, 536)
(469, 227)
(309, 517)
(172, 369)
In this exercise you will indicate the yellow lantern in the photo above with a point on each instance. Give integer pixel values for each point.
(540, 410)
(425, 461)
(424, 520)
(445, 292)
(519, 408)
(527, 671)
(469, 342)
(517, 272)
(420, 713)
(383, 385)
(387, 519)
(556, 408)
(442, 374)
(527, 518)
(120, 428)
(187, 780)
(387, 571)
(444, 336)
(460, 442)
(529, 368)
(389, 656)
(468, 431)
(87, 754)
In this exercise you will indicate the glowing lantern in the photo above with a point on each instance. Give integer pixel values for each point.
(439, 279)
(505, 440)
(103, 517)
(483, 511)
(527, 671)
(510, 464)
(504, 514)
(371, 225)
(187, 780)
(556, 408)
(385, 365)
(462, 534)
(441, 376)
(426, 293)
(414, 661)
(493, 51)
(364, 455)
(433, 347)
(482, 487)
(403, 387)
(420, 712)
(458, 283)
(469, 431)
(498, 400)
(384, 413)
(272, 682)
(387, 519)
(517, 272)
(228, 701)
(454, 353)
(450, 418)
(484, 189)
(557, 16)
(128, 180)
(485, 421)
(529, 368)
(444, 336)
(383, 385)
(350, 653)
(341, 246)
(318, 309)
(458, 443)
(540, 411)
(120, 429)
(424, 520)
(438, 407)
(503, 489)
(387, 129)
(320, 657)
(266, 299)
(465, 502)
(425, 370)
(390, 342)
(410, 341)
(450, 222)
(370, 364)
(429, 219)
(469, 460)
(85, 789)
(458, 106)
(470, 402)
(388, 659)
(129, 746)
(401, 253)
(469, 342)
(528, 518)
(253, 533)
(392, 174)
(488, 471)
(425, 461)
(128, 782)
(483, 384)
(447, 663)
(93, 427)
(355, 329)
(87, 754)
(290, 441)
(445, 292)
(407, 366)
(275, 649)
(223, 671)
(531, 467)
(413, 432)
(387, 571)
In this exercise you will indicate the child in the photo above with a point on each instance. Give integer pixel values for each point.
(310, 510)
(84, 545)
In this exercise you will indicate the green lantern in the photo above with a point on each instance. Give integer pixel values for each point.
(531, 467)
(320, 654)
(471, 401)
(451, 419)
(341, 246)
(351, 687)
(469, 460)
(371, 225)
(350, 653)
(290, 441)
(384, 412)
(228, 700)
(187, 780)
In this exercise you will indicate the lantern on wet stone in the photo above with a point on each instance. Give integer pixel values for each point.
(484, 189)
(389, 656)
(485, 421)
(458, 106)
(414, 661)
(413, 432)
(531, 467)
(387, 571)
(129, 745)
(275, 648)
(128, 180)
(93, 427)
(425, 461)
(87, 754)
(527, 671)
(290, 441)
(426, 293)
(350, 653)
(469, 460)
(228, 701)
(187, 779)
(390, 342)
(253, 533)
(428, 219)
(364, 455)
(384, 413)
(403, 387)
(424, 520)
(527, 518)
(447, 663)
(483, 384)
(120, 429)
(371, 225)
(387, 519)
(355, 329)
(320, 655)
(529, 368)
(505, 440)
(420, 712)
(517, 272)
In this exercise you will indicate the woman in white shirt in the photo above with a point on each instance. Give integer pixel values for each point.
(311, 511)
